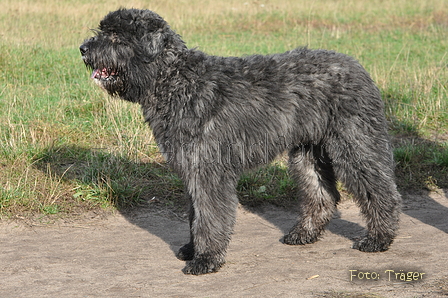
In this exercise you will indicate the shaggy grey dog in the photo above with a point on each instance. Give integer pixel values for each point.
(214, 117)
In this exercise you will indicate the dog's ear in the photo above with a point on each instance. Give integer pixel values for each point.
(152, 30)
(154, 43)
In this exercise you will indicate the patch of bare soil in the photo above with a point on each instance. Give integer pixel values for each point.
(132, 255)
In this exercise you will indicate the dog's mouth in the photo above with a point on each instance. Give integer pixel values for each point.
(104, 74)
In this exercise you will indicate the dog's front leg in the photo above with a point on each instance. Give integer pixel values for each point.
(214, 202)
(186, 252)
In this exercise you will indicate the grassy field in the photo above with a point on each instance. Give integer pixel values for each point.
(65, 147)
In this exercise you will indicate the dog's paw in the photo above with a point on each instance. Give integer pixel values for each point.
(294, 238)
(202, 265)
(371, 244)
(186, 252)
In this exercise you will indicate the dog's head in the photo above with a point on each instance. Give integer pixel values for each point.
(126, 43)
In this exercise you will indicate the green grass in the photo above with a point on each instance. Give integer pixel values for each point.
(270, 184)
(65, 146)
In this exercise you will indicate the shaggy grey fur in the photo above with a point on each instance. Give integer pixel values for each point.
(214, 117)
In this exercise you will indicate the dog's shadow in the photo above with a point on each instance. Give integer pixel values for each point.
(284, 219)
(147, 194)
(150, 196)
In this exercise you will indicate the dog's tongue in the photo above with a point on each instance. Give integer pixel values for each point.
(102, 73)
(96, 74)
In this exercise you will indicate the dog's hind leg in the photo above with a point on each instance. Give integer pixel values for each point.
(312, 169)
(366, 170)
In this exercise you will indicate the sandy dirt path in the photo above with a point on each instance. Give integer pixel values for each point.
(132, 255)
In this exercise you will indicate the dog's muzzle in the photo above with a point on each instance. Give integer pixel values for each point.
(98, 73)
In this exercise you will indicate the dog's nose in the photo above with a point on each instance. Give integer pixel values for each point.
(83, 49)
